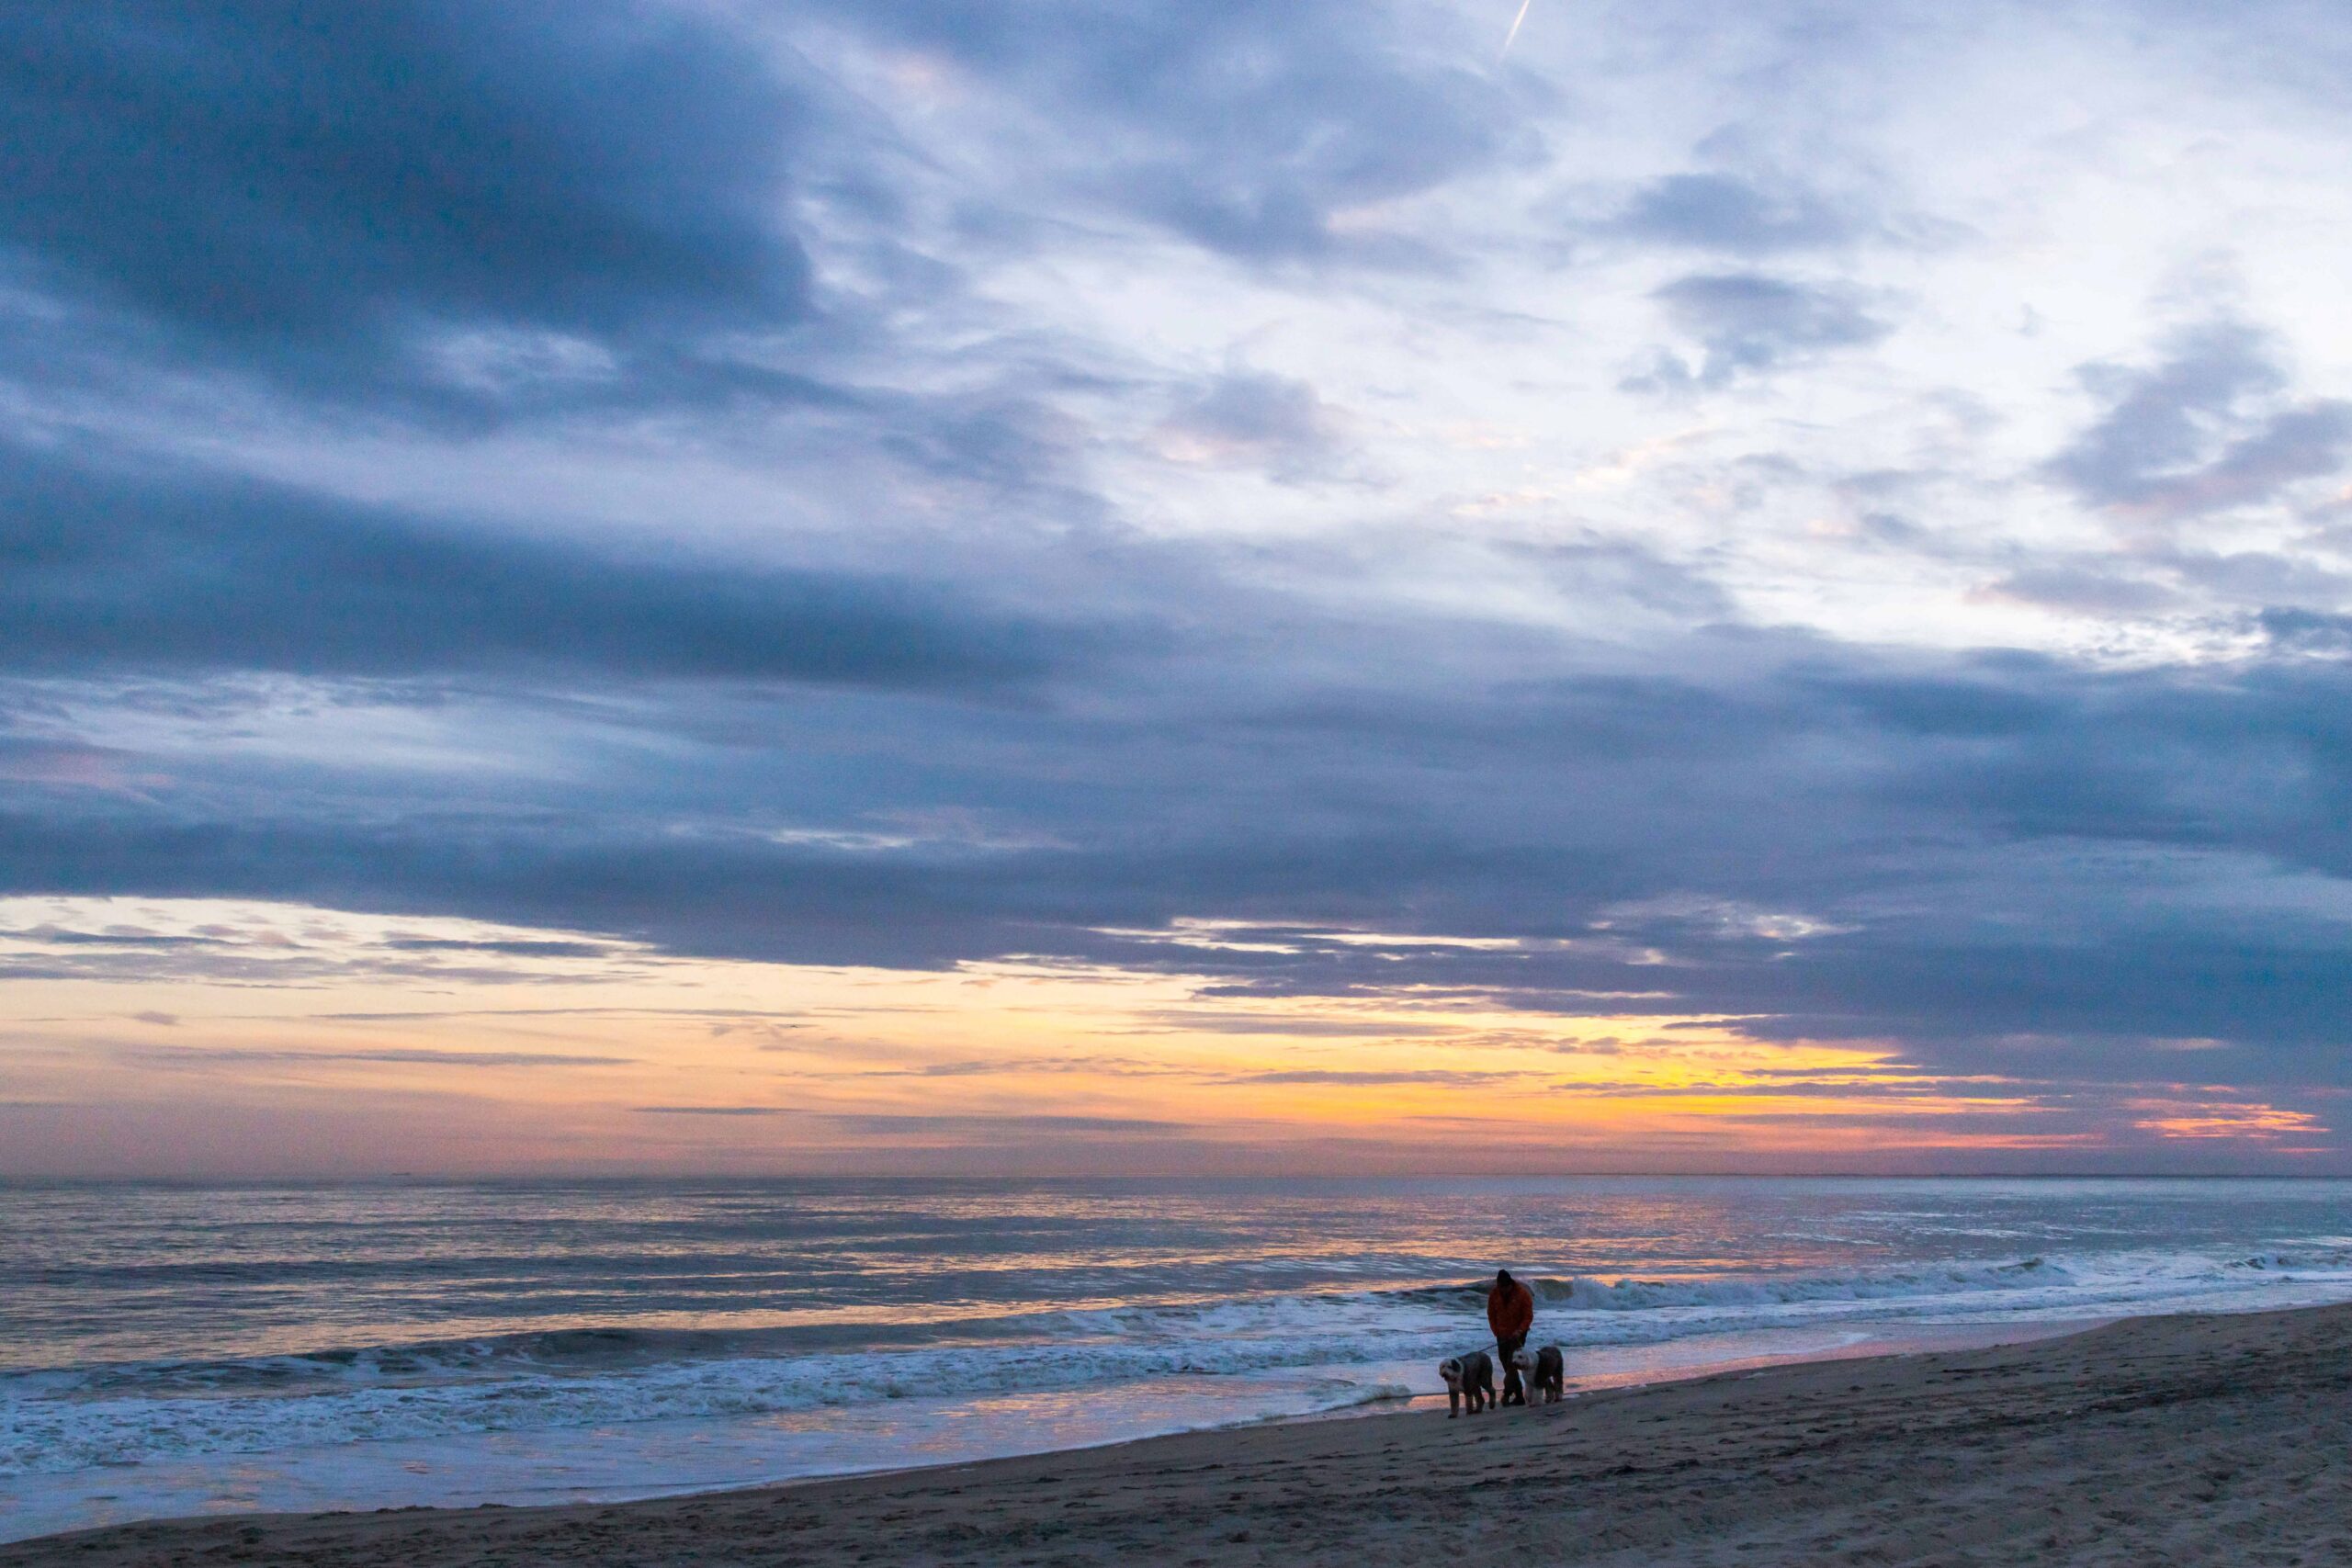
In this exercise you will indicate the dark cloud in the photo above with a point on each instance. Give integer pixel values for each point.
(1725, 212)
(2206, 428)
(1598, 569)
(52, 938)
(2123, 987)
(1245, 126)
(317, 193)
(1970, 704)
(1749, 324)
(2106, 586)
(1825, 842)
(70, 765)
(521, 947)
(1025, 710)
(2308, 632)
(1275, 422)
(171, 569)
(2158, 420)
(2268, 578)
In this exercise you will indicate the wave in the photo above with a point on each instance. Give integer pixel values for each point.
(1589, 1293)
(1308, 1316)
(2098, 1274)
(578, 1376)
(1648, 1295)
(67, 1430)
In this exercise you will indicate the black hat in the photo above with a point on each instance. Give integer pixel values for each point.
(1502, 1276)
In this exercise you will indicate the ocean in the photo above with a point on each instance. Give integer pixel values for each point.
(180, 1350)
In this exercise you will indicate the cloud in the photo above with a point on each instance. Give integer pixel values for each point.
(767, 543)
(991, 1066)
(2103, 586)
(67, 765)
(1727, 213)
(1945, 850)
(1275, 422)
(167, 567)
(496, 1012)
(998, 1126)
(2308, 632)
(2206, 428)
(49, 937)
(1348, 1078)
(322, 195)
(1244, 1020)
(1750, 324)
(1251, 130)
(514, 948)
(1594, 568)
(1011, 1125)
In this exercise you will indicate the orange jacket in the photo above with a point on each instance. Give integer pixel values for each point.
(1510, 1309)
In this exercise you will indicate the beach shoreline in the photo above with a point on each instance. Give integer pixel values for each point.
(2180, 1439)
(599, 1471)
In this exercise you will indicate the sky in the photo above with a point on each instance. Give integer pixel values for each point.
(1149, 588)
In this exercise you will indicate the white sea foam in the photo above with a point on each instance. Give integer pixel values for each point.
(53, 1421)
(187, 1350)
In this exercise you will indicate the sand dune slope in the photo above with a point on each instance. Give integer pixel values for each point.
(2170, 1440)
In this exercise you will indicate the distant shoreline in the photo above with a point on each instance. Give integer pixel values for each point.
(2181, 1438)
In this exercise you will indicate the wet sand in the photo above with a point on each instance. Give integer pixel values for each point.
(2173, 1440)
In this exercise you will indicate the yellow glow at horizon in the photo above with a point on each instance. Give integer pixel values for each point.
(575, 1041)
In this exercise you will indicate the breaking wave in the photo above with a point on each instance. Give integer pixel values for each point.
(1329, 1349)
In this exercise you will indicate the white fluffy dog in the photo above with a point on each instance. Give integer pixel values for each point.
(1470, 1377)
(1540, 1372)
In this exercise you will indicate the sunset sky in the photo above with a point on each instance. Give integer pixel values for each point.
(1138, 586)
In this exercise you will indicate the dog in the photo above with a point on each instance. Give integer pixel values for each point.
(1541, 1373)
(1471, 1378)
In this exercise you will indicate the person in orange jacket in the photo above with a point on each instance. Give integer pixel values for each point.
(1511, 1312)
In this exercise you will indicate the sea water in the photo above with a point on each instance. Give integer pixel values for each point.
(175, 1349)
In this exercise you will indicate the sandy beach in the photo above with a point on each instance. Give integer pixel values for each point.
(2178, 1441)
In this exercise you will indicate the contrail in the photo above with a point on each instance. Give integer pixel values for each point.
(1512, 36)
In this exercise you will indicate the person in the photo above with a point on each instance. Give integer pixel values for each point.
(1511, 1312)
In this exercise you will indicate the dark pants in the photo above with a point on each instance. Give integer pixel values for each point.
(1507, 1347)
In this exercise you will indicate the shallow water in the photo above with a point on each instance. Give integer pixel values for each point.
(180, 1350)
